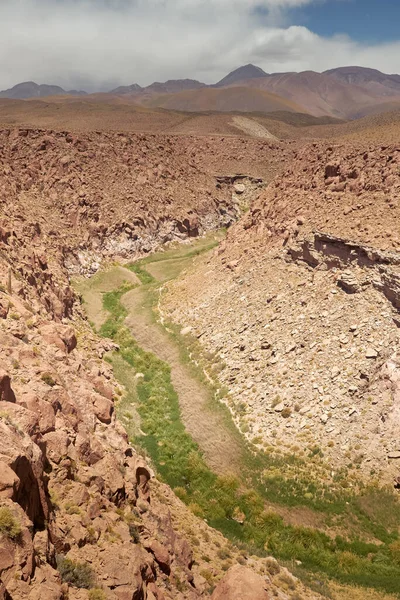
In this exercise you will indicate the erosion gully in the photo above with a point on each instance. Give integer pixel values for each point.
(173, 413)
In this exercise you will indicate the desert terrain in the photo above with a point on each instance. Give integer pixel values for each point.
(199, 316)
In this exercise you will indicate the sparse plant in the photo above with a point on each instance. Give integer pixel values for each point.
(96, 594)
(223, 553)
(72, 509)
(286, 413)
(77, 574)
(9, 526)
(48, 379)
(272, 565)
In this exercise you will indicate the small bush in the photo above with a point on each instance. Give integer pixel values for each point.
(9, 525)
(287, 581)
(97, 594)
(72, 509)
(134, 533)
(272, 565)
(79, 575)
(224, 553)
(48, 379)
(395, 551)
(286, 412)
(208, 576)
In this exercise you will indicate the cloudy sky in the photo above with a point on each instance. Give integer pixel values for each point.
(99, 44)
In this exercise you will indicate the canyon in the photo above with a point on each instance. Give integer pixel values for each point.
(199, 377)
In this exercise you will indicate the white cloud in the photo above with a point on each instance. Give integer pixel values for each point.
(102, 43)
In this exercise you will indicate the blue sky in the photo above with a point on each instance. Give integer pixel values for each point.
(100, 44)
(363, 20)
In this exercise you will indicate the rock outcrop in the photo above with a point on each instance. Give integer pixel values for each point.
(300, 309)
(241, 583)
(80, 510)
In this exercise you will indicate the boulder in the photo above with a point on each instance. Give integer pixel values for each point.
(25, 458)
(240, 188)
(57, 443)
(6, 392)
(103, 408)
(9, 481)
(58, 335)
(348, 282)
(241, 583)
(44, 410)
(160, 554)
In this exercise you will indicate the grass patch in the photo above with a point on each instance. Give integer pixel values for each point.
(143, 275)
(180, 463)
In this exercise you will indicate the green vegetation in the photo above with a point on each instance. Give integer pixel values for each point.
(48, 379)
(78, 574)
(143, 275)
(97, 594)
(217, 499)
(9, 526)
(237, 505)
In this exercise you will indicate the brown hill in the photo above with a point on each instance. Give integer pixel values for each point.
(174, 86)
(381, 128)
(321, 94)
(127, 89)
(30, 89)
(233, 99)
(241, 74)
(344, 93)
(370, 79)
(107, 113)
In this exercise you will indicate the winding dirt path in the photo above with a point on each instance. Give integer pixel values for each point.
(206, 425)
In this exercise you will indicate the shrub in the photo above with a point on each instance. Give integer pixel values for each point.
(47, 378)
(287, 581)
(97, 594)
(9, 525)
(286, 412)
(134, 533)
(272, 565)
(348, 561)
(72, 509)
(78, 574)
(224, 553)
(395, 551)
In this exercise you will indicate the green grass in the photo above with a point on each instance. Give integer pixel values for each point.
(180, 254)
(284, 480)
(143, 275)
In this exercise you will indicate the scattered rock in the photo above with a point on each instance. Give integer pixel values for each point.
(241, 583)
(239, 188)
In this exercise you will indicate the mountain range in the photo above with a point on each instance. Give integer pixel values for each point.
(344, 93)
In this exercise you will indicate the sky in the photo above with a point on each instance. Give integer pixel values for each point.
(99, 44)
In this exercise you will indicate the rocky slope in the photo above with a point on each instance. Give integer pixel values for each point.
(81, 515)
(97, 195)
(300, 307)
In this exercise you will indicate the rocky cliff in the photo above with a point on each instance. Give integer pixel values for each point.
(300, 307)
(81, 514)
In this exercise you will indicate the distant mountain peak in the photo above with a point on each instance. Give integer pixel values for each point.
(30, 89)
(127, 89)
(246, 72)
